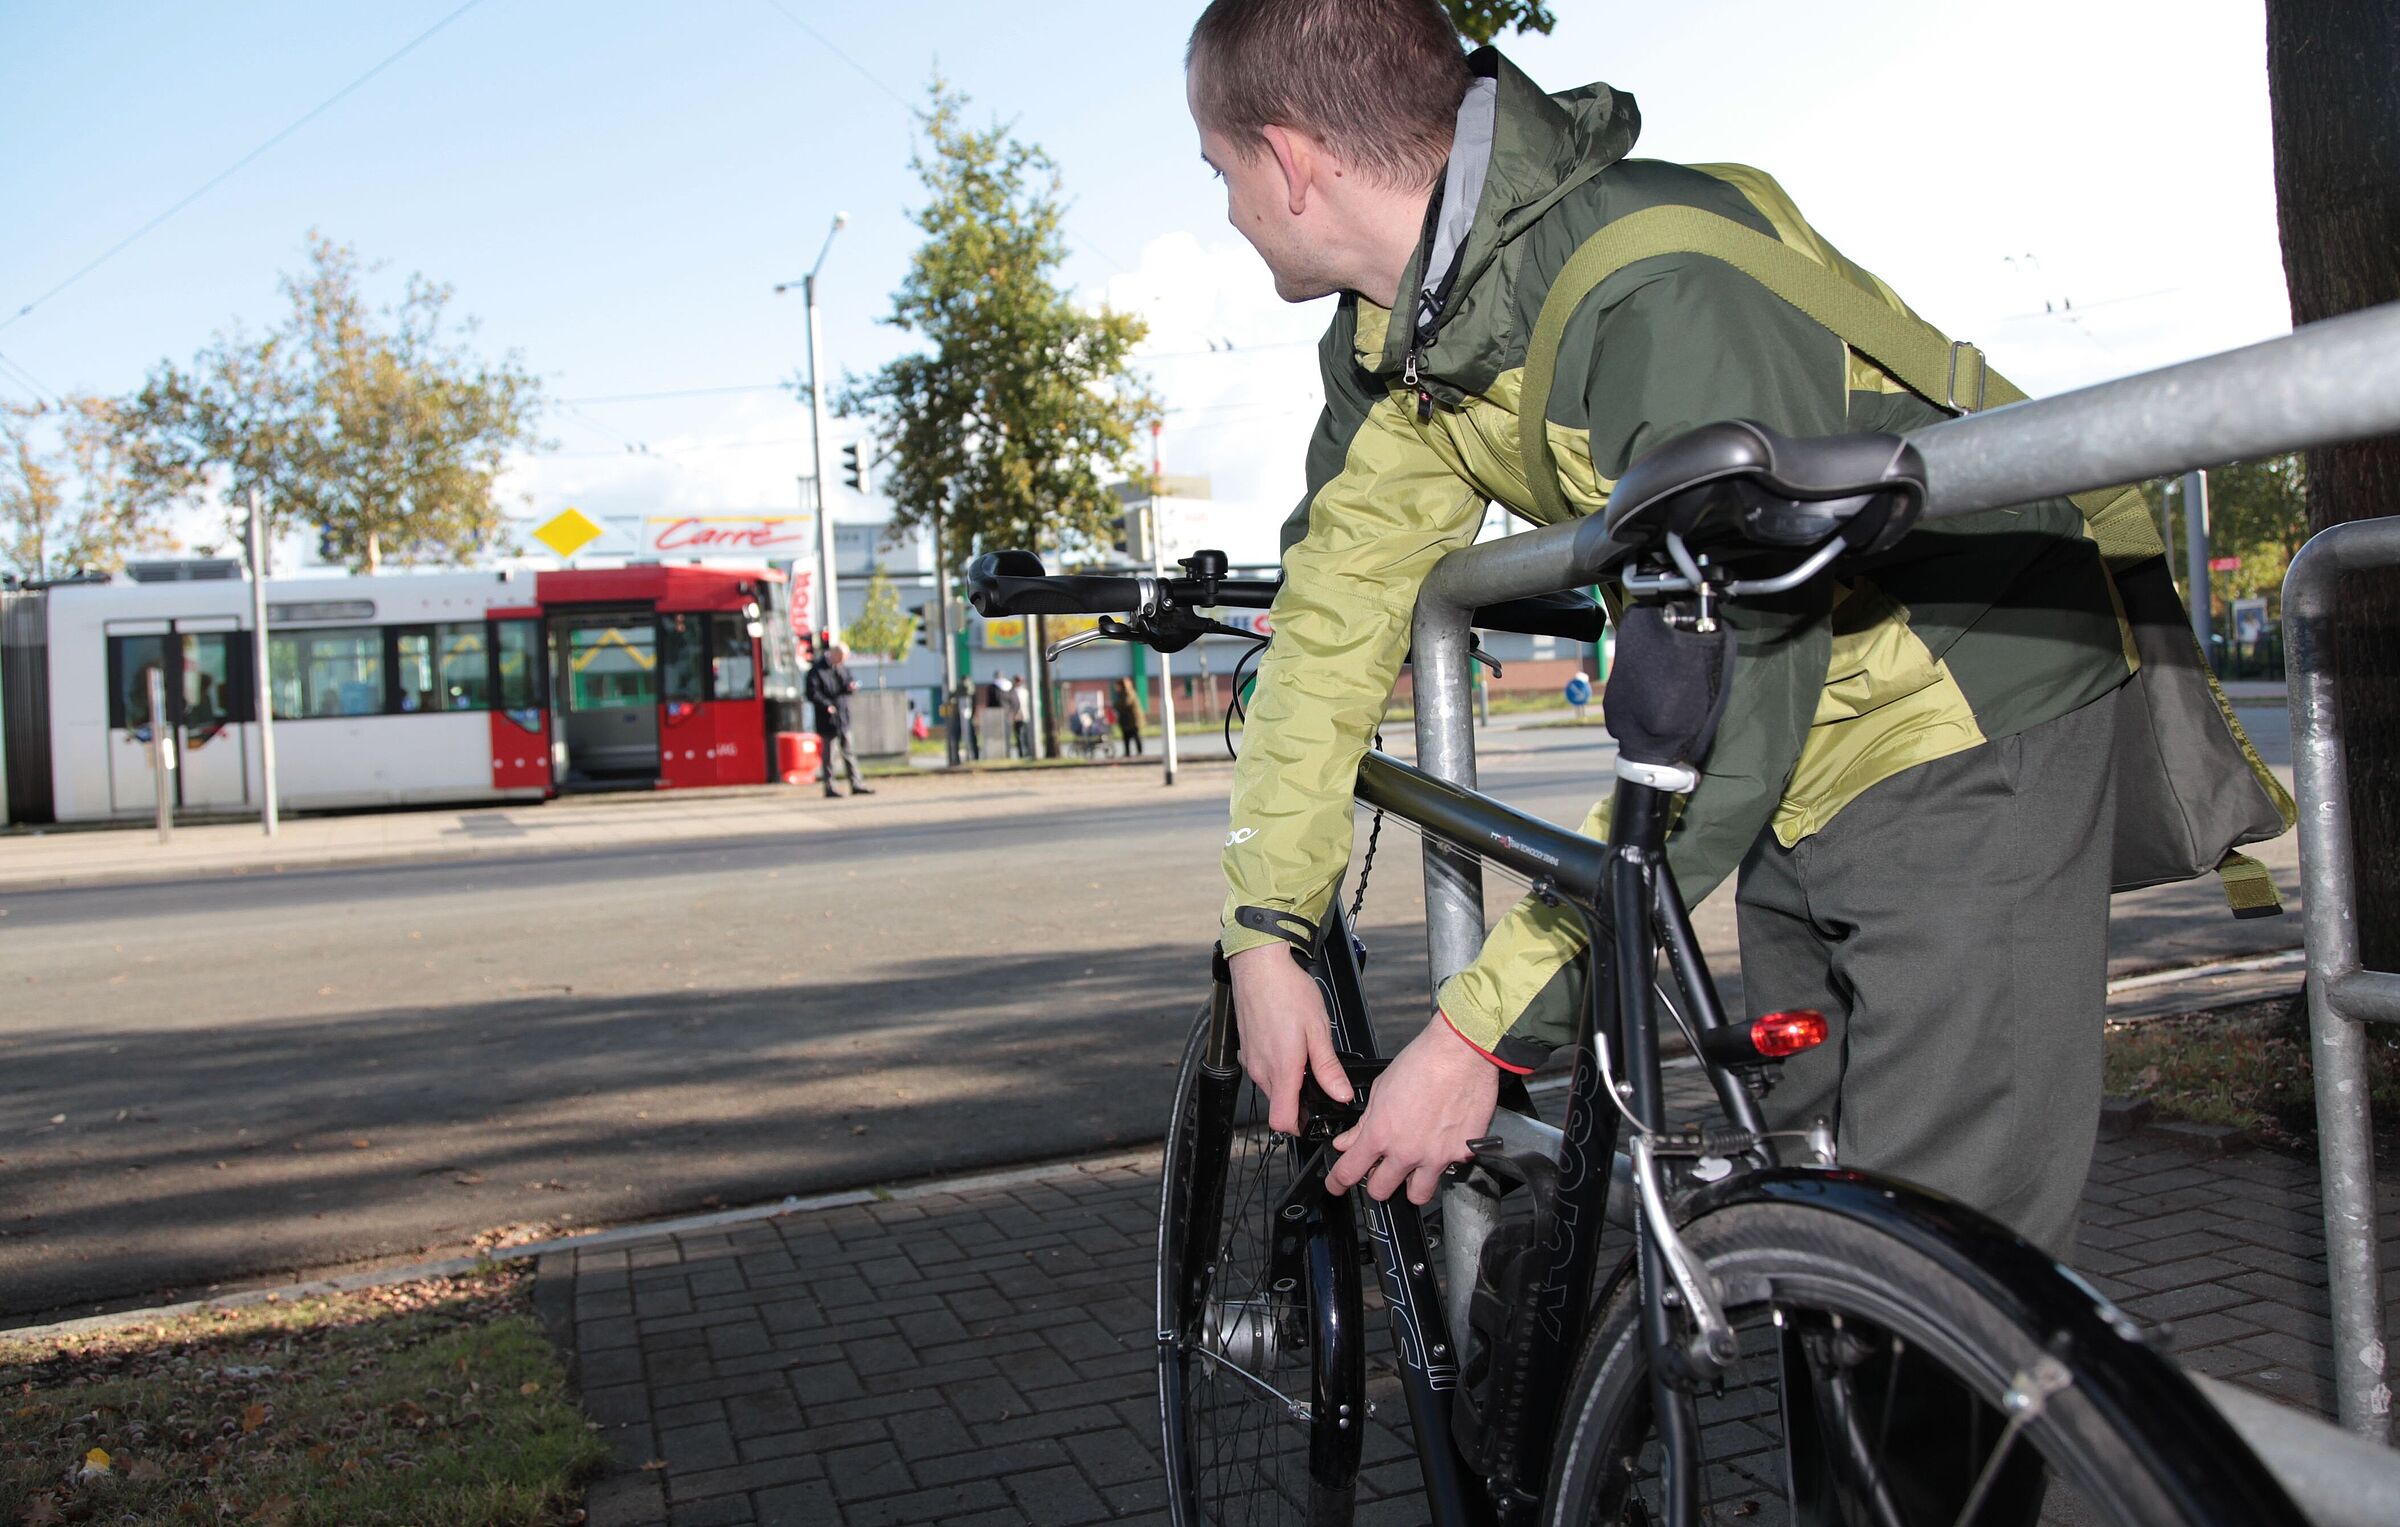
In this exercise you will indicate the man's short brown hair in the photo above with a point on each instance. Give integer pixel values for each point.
(1376, 81)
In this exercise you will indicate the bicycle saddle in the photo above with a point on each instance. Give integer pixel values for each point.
(1739, 486)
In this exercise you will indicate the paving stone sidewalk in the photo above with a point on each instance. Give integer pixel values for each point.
(982, 1355)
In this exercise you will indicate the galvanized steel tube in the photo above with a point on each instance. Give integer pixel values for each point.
(2337, 1038)
(2327, 382)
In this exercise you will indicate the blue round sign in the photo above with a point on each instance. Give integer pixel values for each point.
(1579, 690)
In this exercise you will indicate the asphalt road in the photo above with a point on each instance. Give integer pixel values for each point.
(215, 1080)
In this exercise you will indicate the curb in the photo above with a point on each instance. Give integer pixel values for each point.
(595, 1240)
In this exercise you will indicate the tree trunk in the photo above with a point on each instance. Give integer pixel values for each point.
(374, 553)
(2333, 76)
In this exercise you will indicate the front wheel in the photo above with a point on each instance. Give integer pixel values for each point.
(1260, 1373)
(1877, 1386)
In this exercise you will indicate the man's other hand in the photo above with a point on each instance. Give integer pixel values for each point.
(1285, 1033)
(1436, 1095)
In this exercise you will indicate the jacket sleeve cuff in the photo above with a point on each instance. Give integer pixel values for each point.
(1480, 1050)
(1502, 1039)
(1247, 927)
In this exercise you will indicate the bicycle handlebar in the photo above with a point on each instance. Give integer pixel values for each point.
(1013, 583)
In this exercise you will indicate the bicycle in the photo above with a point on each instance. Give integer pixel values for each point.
(1773, 1327)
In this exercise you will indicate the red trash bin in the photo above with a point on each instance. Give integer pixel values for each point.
(796, 757)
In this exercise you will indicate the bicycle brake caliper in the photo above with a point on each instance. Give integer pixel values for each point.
(1713, 1347)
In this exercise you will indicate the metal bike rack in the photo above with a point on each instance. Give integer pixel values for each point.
(2324, 384)
(2343, 997)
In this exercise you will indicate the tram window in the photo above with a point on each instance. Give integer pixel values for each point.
(733, 660)
(412, 670)
(327, 673)
(465, 667)
(612, 667)
(683, 657)
(130, 662)
(210, 694)
(520, 666)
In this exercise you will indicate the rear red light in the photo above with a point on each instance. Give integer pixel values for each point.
(1780, 1034)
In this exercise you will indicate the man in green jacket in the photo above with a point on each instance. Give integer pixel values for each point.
(1913, 775)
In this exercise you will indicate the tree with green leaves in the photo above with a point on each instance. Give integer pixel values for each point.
(881, 629)
(64, 507)
(381, 427)
(2257, 512)
(1008, 423)
(1479, 21)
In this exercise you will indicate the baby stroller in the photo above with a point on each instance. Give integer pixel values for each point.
(1090, 731)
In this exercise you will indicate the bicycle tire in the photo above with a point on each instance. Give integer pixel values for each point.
(1805, 1267)
(1227, 1331)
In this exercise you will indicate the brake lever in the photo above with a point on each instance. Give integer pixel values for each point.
(1099, 633)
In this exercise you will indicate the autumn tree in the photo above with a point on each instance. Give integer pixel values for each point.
(64, 506)
(381, 427)
(1017, 409)
(881, 629)
(2333, 80)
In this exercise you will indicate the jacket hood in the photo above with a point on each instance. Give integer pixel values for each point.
(1540, 147)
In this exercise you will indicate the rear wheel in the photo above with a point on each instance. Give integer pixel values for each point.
(1873, 1387)
(1261, 1381)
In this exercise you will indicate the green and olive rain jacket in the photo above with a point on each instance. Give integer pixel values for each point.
(1975, 628)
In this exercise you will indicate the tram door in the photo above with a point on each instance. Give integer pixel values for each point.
(205, 661)
(604, 671)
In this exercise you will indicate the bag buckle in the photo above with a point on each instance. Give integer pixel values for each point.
(1983, 372)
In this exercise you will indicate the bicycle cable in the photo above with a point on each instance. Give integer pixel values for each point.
(1234, 709)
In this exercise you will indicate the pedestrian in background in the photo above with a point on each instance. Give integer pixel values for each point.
(829, 688)
(965, 706)
(1128, 706)
(1020, 713)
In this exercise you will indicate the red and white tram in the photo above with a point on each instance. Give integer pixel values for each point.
(410, 688)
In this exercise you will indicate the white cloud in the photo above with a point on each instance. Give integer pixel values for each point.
(1236, 366)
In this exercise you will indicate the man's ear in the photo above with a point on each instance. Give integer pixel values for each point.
(1299, 157)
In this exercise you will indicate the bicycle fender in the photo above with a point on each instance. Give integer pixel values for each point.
(2132, 1383)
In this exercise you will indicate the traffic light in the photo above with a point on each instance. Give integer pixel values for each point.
(854, 470)
(922, 615)
(1132, 540)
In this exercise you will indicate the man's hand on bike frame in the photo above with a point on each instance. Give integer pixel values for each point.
(1435, 1096)
(1285, 1035)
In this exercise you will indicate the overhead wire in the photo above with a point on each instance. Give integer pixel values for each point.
(218, 179)
(42, 393)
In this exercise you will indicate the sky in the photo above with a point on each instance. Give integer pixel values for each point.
(613, 190)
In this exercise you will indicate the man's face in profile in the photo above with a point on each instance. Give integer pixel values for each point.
(1258, 205)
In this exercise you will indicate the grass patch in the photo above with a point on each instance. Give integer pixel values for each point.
(436, 1401)
(2247, 1067)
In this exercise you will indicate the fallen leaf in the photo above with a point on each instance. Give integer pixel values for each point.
(58, 1118)
(359, 1144)
(95, 1464)
(253, 1417)
(530, 1386)
(278, 1511)
(858, 1129)
(467, 1179)
(145, 1470)
(41, 1511)
(654, 1465)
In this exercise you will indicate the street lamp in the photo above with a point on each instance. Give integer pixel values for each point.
(831, 621)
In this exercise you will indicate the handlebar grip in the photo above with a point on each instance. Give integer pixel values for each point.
(1013, 583)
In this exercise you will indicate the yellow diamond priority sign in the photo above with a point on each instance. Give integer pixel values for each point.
(568, 533)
